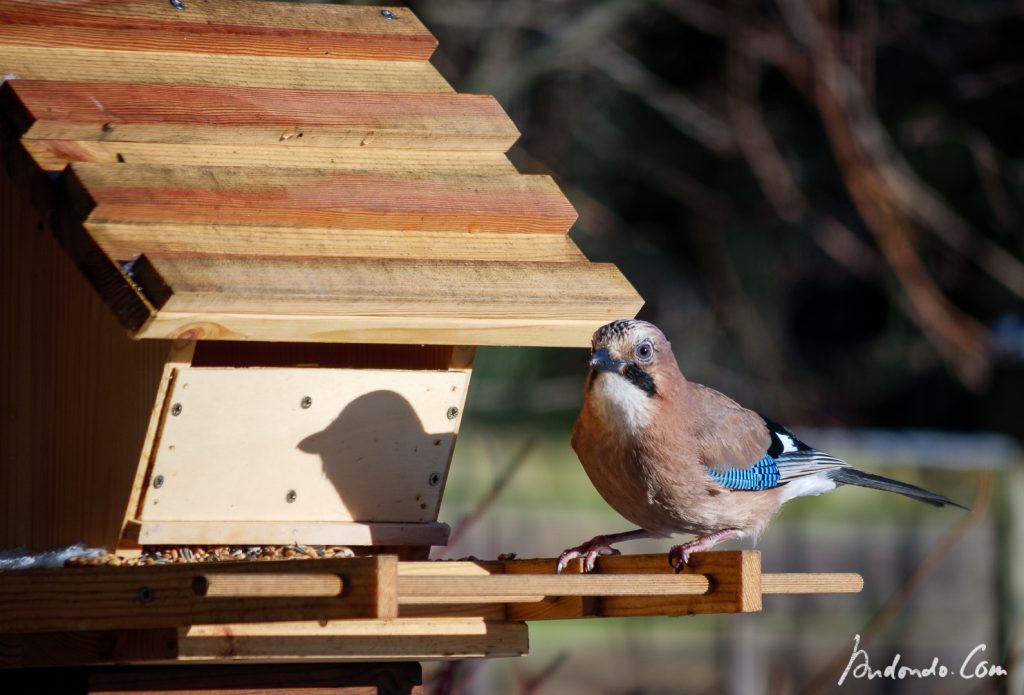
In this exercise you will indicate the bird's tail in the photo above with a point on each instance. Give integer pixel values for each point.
(851, 476)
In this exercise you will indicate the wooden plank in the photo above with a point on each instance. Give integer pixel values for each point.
(92, 598)
(61, 110)
(220, 26)
(356, 287)
(54, 155)
(259, 679)
(79, 647)
(368, 445)
(180, 355)
(321, 198)
(403, 638)
(385, 329)
(262, 532)
(107, 64)
(75, 392)
(530, 588)
(327, 356)
(126, 240)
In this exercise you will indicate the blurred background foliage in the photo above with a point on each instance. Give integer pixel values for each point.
(821, 203)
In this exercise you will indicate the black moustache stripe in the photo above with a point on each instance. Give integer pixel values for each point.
(639, 378)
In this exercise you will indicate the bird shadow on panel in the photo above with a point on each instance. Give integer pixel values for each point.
(383, 464)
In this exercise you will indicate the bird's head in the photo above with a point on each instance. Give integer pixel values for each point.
(633, 353)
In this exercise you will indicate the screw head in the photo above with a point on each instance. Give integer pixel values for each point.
(176, 409)
(158, 481)
(388, 14)
(305, 402)
(453, 413)
(145, 595)
(434, 479)
(291, 496)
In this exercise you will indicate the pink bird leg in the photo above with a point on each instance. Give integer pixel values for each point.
(679, 555)
(598, 545)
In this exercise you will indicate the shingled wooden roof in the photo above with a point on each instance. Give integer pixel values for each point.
(270, 171)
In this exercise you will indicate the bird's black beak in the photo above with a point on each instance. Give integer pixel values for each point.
(602, 362)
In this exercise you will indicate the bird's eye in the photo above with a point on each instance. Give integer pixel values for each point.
(644, 351)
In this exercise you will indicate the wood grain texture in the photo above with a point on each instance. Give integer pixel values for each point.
(54, 155)
(75, 393)
(219, 26)
(110, 65)
(377, 288)
(372, 445)
(811, 583)
(387, 330)
(259, 532)
(61, 110)
(125, 240)
(404, 638)
(91, 598)
(321, 198)
(262, 679)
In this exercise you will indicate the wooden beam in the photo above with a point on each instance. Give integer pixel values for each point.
(96, 598)
(168, 67)
(403, 638)
(531, 588)
(541, 332)
(63, 110)
(284, 533)
(54, 155)
(233, 27)
(321, 198)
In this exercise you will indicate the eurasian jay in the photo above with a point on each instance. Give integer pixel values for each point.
(673, 456)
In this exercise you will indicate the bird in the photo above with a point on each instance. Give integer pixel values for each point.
(673, 456)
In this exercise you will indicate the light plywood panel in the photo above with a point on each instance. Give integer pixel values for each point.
(374, 445)
(61, 110)
(167, 67)
(261, 532)
(220, 26)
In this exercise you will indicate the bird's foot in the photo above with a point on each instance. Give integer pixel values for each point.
(679, 556)
(598, 545)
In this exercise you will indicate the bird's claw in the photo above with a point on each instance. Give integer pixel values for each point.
(679, 556)
(589, 551)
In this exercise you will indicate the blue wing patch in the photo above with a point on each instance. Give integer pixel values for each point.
(762, 475)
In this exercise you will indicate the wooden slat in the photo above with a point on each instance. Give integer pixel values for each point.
(91, 598)
(54, 155)
(322, 198)
(811, 583)
(126, 240)
(219, 26)
(110, 65)
(404, 638)
(386, 329)
(434, 289)
(255, 116)
(282, 533)
(530, 588)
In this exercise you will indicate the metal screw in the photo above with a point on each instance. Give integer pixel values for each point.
(434, 479)
(388, 14)
(291, 496)
(176, 409)
(158, 481)
(145, 595)
(178, 5)
(306, 402)
(453, 413)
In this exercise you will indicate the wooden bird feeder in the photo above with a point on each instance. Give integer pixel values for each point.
(305, 231)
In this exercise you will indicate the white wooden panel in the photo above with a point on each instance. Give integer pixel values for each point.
(373, 445)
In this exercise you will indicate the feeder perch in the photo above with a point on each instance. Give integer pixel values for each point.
(249, 250)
